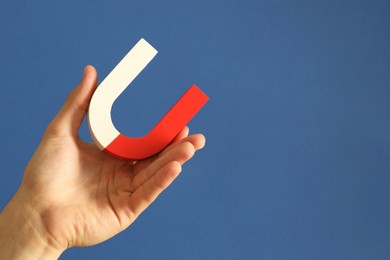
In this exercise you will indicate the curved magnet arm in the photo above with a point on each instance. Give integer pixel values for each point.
(103, 131)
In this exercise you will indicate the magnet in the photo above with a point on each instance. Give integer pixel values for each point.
(108, 138)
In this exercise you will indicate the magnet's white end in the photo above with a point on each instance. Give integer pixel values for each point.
(100, 124)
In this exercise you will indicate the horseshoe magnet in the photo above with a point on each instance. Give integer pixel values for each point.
(103, 131)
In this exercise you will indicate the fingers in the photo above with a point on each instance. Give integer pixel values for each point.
(197, 140)
(161, 173)
(70, 117)
(149, 191)
(182, 134)
(181, 152)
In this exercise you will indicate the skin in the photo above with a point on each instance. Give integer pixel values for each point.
(74, 195)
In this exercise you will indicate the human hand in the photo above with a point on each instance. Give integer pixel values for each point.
(72, 194)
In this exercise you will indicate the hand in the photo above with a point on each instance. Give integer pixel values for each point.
(72, 194)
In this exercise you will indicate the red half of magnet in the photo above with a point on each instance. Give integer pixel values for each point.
(164, 131)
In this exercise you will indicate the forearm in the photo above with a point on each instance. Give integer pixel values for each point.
(21, 234)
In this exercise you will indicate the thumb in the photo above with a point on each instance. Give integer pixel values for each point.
(70, 117)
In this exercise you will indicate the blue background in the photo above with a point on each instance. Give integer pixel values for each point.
(297, 163)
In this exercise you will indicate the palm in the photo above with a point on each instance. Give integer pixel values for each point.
(90, 196)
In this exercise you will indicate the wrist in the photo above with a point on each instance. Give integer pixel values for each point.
(22, 234)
